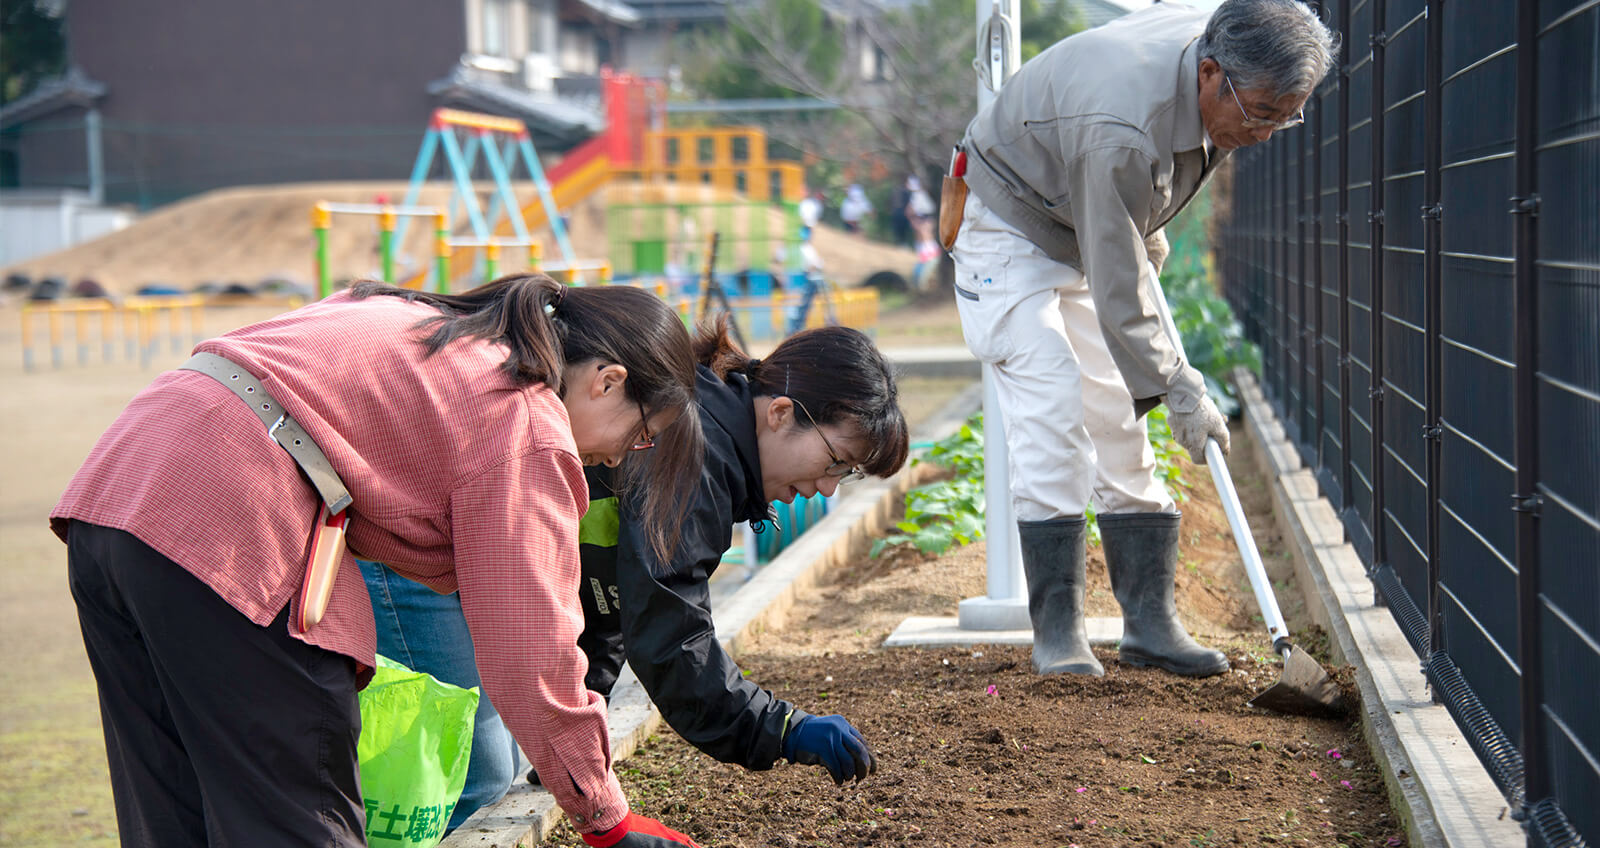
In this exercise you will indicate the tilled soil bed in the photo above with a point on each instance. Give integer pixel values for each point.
(974, 748)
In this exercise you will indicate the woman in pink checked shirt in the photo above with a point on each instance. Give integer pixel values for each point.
(460, 425)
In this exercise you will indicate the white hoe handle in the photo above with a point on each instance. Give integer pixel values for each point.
(1247, 546)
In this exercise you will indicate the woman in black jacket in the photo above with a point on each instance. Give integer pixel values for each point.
(820, 410)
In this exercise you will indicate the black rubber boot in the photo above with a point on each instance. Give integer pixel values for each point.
(1142, 557)
(1053, 559)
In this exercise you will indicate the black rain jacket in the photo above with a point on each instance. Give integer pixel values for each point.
(661, 625)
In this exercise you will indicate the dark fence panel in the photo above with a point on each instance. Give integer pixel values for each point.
(1404, 387)
(1330, 258)
(1421, 266)
(1359, 211)
(1567, 281)
(1476, 545)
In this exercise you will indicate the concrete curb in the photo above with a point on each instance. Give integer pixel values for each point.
(528, 813)
(1435, 780)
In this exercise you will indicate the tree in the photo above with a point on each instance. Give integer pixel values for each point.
(725, 63)
(906, 121)
(1044, 22)
(32, 48)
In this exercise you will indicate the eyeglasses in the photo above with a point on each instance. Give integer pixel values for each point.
(1251, 122)
(649, 440)
(846, 472)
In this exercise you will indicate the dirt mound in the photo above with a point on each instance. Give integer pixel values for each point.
(248, 234)
(237, 235)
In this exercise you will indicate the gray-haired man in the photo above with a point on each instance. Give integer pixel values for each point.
(1073, 171)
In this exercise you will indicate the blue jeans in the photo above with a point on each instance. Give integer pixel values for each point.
(428, 632)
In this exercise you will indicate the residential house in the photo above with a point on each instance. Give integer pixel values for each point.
(167, 98)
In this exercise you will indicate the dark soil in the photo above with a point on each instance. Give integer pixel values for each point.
(975, 749)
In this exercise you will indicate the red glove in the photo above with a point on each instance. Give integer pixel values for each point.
(637, 831)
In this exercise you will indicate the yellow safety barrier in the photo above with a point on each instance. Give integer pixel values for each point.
(584, 272)
(768, 317)
(140, 326)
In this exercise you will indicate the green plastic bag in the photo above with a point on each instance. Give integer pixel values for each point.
(416, 738)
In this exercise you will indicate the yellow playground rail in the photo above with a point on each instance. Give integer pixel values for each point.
(137, 322)
(768, 317)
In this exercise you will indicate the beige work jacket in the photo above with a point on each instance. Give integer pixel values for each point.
(1089, 150)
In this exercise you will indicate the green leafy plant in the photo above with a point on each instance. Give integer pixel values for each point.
(1168, 469)
(950, 512)
(1212, 337)
(946, 512)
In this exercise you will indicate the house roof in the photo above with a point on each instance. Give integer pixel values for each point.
(562, 120)
(685, 11)
(615, 11)
(73, 88)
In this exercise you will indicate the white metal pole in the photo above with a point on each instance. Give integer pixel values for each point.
(97, 169)
(1005, 607)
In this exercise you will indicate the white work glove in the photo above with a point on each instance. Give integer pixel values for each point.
(1191, 429)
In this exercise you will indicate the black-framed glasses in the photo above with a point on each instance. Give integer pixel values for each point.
(649, 440)
(846, 472)
(1251, 122)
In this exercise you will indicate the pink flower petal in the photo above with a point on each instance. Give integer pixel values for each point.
(1334, 753)
(1083, 789)
(991, 690)
(1314, 776)
(1345, 783)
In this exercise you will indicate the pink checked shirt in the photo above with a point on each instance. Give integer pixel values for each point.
(460, 481)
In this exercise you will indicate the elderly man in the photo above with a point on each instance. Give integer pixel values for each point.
(1073, 171)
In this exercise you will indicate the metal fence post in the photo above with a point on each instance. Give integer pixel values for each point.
(1347, 496)
(1319, 413)
(1536, 783)
(1380, 549)
(1280, 276)
(1302, 308)
(1433, 322)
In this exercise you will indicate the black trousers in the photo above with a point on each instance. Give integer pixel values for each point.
(219, 732)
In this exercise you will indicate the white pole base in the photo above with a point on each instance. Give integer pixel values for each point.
(988, 613)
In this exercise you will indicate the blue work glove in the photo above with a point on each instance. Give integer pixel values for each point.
(832, 742)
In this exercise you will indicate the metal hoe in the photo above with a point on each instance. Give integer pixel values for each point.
(1305, 688)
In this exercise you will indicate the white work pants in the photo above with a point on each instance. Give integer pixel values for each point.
(1069, 426)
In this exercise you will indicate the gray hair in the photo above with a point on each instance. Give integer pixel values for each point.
(1275, 46)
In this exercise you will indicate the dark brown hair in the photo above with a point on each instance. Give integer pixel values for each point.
(546, 325)
(838, 375)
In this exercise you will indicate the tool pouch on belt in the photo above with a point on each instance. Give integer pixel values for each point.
(953, 199)
(327, 536)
